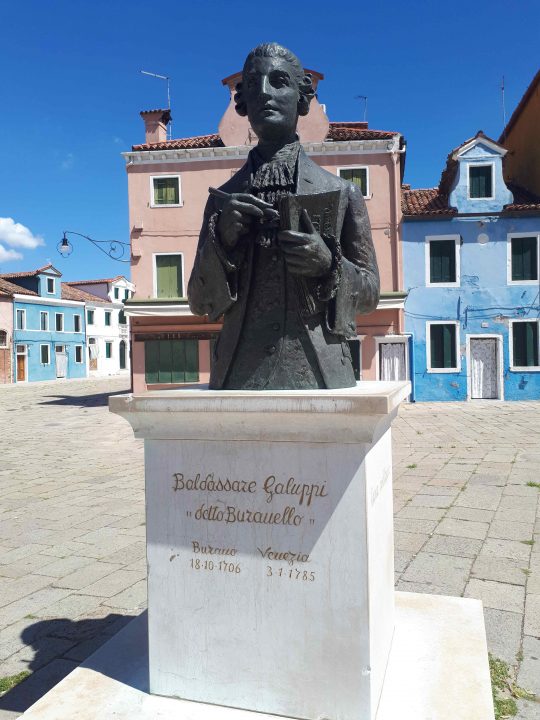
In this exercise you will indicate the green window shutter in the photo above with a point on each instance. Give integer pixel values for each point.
(192, 360)
(524, 259)
(358, 176)
(107, 317)
(178, 361)
(165, 361)
(525, 344)
(480, 185)
(169, 276)
(442, 261)
(443, 346)
(151, 361)
(166, 191)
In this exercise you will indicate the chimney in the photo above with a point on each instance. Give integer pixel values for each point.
(155, 125)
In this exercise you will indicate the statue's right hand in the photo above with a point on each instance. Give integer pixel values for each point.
(238, 213)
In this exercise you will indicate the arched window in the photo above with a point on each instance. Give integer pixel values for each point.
(3, 338)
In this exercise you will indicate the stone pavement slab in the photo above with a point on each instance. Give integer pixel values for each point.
(72, 560)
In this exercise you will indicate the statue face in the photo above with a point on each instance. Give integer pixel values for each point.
(271, 95)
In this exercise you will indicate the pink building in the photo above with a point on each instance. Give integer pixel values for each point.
(168, 184)
(7, 290)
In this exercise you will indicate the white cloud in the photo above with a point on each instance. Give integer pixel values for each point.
(18, 236)
(67, 162)
(7, 255)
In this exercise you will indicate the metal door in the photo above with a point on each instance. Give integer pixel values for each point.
(484, 369)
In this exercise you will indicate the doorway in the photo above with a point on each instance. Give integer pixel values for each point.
(484, 368)
(61, 361)
(21, 363)
(393, 360)
(122, 355)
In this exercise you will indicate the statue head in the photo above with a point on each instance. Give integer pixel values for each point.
(274, 91)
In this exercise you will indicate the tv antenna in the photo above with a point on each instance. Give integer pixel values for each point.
(168, 79)
(503, 105)
(364, 98)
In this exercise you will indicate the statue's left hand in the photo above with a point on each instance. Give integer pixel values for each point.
(306, 253)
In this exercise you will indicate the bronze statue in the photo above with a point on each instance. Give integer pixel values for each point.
(285, 252)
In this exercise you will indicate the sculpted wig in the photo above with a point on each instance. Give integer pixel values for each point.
(304, 80)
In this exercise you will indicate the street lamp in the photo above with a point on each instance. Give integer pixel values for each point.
(115, 249)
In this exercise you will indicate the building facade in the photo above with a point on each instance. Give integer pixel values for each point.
(107, 326)
(168, 184)
(48, 340)
(471, 258)
(7, 291)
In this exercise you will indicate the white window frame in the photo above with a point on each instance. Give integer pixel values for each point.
(154, 271)
(81, 361)
(163, 176)
(23, 311)
(481, 164)
(510, 237)
(368, 194)
(384, 340)
(51, 292)
(56, 315)
(457, 244)
(518, 368)
(430, 369)
(46, 313)
(41, 346)
(75, 318)
(500, 361)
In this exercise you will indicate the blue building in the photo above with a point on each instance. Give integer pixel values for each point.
(49, 330)
(471, 268)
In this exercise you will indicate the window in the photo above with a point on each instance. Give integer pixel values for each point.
(442, 347)
(78, 354)
(108, 350)
(45, 355)
(523, 259)
(77, 323)
(168, 276)
(90, 317)
(50, 285)
(126, 295)
(107, 317)
(165, 190)
(122, 318)
(59, 322)
(171, 361)
(21, 319)
(3, 338)
(442, 260)
(116, 293)
(481, 181)
(358, 176)
(44, 320)
(524, 344)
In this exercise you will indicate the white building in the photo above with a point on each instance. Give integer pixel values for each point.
(107, 330)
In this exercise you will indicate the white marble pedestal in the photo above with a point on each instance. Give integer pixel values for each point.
(270, 546)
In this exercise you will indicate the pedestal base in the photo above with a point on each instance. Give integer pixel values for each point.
(438, 670)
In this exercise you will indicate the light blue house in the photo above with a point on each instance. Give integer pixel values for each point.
(471, 268)
(49, 332)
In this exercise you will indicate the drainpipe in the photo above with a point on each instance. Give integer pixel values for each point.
(412, 374)
(395, 154)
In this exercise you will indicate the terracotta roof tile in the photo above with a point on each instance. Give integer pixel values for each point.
(71, 293)
(337, 131)
(93, 282)
(428, 201)
(28, 273)
(8, 289)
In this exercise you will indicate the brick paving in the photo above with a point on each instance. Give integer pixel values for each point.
(72, 553)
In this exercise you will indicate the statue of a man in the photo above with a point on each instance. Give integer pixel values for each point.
(289, 298)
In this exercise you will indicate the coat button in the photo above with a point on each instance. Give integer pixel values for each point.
(270, 349)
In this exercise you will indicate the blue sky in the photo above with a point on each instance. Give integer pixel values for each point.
(72, 92)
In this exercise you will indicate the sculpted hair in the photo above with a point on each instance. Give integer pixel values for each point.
(304, 80)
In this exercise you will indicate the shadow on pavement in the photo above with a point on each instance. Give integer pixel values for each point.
(96, 400)
(59, 645)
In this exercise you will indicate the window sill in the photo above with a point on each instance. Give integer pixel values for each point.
(529, 368)
(523, 282)
(446, 371)
(167, 205)
(443, 285)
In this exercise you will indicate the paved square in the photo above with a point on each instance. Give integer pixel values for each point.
(72, 551)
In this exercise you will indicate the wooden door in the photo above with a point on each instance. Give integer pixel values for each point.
(21, 368)
(484, 369)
